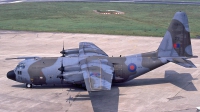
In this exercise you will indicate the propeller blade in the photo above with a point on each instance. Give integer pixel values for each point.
(62, 71)
(62, 68)
(63, 51)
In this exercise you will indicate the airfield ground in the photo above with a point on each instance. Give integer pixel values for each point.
(168, 88)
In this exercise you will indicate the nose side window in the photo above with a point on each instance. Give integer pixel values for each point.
(19, 72)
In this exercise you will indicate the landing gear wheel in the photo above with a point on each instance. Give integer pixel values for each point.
(29, 85)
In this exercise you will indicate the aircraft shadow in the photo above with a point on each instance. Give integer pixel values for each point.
(181, 80)
(102, 101)
(57, 86)
(105, 102)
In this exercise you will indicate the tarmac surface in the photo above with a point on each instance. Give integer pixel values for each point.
(170, 88)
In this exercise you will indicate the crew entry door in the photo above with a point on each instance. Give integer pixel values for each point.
(118, 70)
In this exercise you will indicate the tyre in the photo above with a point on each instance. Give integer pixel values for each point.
(29, 85)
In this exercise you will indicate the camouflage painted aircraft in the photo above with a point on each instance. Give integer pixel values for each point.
(91, 66)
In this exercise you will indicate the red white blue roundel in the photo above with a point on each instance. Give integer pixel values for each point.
(132, 67)
(95, 74)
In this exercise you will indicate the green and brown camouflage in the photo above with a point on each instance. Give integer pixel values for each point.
(91, 66)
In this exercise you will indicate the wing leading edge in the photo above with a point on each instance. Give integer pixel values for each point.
(90, 49)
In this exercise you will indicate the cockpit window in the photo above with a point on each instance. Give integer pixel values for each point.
(21, 66)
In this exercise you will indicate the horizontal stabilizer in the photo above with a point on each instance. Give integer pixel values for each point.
(183, 62)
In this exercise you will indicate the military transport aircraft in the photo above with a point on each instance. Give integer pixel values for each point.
(92, 67)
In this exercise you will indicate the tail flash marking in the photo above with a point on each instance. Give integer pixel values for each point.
(176, 45)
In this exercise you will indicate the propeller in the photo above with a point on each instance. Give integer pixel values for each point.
(63, 51)
(61, 69)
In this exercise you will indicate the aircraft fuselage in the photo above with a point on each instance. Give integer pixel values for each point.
(45, 70)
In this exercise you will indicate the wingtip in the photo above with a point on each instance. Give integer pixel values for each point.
(10, 58)
(35, 57)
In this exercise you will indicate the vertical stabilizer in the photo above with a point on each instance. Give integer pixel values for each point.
(176, 42)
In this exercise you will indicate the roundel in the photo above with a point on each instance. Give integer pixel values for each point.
(132, 67)
(95, 74)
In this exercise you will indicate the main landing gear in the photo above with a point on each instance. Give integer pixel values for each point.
(29, 85)
(81, 86)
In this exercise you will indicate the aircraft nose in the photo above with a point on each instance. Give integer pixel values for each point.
(11, 75)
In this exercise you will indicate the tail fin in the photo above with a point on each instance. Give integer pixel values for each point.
(176, 42)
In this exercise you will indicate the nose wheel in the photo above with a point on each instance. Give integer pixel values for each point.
(29, 85)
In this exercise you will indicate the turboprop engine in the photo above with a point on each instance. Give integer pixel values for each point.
(71, 74)
(70, 52)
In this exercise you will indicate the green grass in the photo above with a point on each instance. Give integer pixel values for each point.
(78, 17)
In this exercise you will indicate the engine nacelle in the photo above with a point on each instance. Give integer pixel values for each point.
(71, 52)
(74, 77)
(72, 68)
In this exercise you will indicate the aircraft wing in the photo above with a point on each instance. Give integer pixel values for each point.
(33, 57)
(90, 49)
(97, 73)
